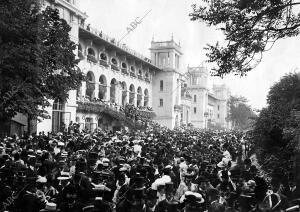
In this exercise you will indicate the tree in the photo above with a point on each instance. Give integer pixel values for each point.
(240, 113)
(275, 130)
(37, 62)
(251, 27)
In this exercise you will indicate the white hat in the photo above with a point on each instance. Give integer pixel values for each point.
(64, 178)
(136, 141)
(105, 160)
(60, 143)
(50, 206)
(39, 152)
(166, 179)
(41, 179)
(168, 167)
(197, 197)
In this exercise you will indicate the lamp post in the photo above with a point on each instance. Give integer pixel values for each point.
(205, 116)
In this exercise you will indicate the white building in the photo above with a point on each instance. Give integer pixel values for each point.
(204, 108)
(119, 75)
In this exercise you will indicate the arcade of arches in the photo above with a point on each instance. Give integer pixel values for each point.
(113, 91)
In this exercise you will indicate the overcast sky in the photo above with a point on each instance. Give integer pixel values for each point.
(171, 16)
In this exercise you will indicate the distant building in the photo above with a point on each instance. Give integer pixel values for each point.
(201, 107)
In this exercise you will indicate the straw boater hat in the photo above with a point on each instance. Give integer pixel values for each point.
(50, 206)
(193, 198)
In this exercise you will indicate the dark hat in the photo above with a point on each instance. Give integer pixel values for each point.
(169, 187)
(151, 194)
(172, 205)
(138, 183)
(201, 179)
(193, 198)
(189, 175)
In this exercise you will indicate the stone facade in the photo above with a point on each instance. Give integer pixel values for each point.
(119, 75)
(208, 108)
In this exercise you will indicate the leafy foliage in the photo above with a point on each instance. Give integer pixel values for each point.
(240, 113)
(37, 62)
(251, 27)
(276, 128)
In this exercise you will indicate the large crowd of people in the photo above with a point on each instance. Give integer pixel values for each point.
(155, 170)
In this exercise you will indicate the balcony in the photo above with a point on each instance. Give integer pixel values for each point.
(140, 77)
(130, 115)
(103, 63)
(147, 80)
(114, 67)
(125, 71)
(146, 113)
(90, 107)
(91, 58)
(132, 74)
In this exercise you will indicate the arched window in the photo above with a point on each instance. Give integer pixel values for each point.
(91, 55)
(140, 72)
(146, 98)
(113, 85)
(114, 61)
(131, 94)
(132, 69)
(124, 93)
(102, 87)
(90, 85)
(91, 52)
(124, 65)
(102, 80)
(103, 56)
(139, 96)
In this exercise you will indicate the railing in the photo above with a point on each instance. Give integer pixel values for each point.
(132, 74)
(124, 71)
(90, 107)
(167, 44)
(113, 41)
(114, 67)
(147, 79)
(90, 86)
(140, 77)
(91, 58)
(103, 63)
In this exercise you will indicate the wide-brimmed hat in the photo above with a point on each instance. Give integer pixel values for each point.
(138, 183)
(193, 197)
(50, 206)
(41, 179)
(151, 194)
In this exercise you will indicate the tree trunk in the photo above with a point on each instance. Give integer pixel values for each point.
(4, 127)
(297, 167)
(29, 127)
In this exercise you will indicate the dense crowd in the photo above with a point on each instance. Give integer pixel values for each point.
(155, 170)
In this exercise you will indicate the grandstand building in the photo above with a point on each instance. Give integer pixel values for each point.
(117, 75)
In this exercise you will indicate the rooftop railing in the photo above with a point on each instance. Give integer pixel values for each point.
(114, 42)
